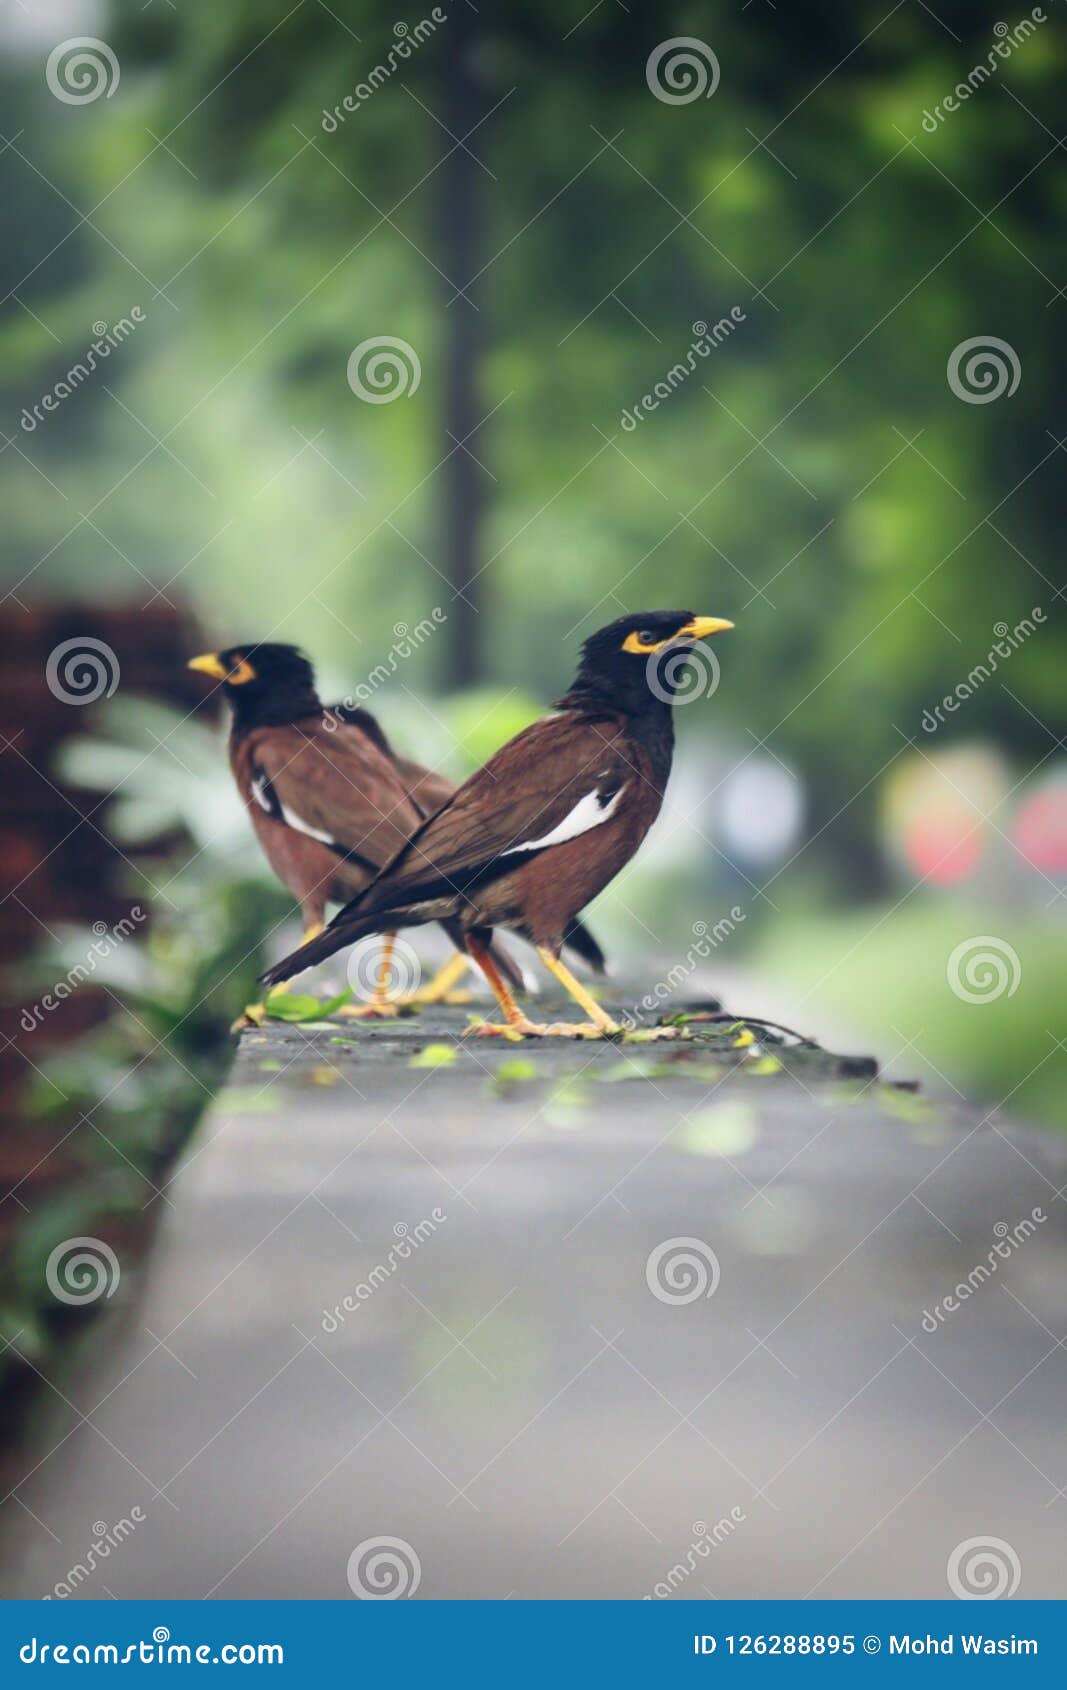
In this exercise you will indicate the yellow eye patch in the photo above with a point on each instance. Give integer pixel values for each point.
(641, 643)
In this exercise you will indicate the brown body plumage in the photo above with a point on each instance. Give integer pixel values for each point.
(301, 780)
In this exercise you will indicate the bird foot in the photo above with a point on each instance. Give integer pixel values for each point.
(513, 1030)
(580, 1030)
(541, 1030)
(253, 1015)
(382, 1009)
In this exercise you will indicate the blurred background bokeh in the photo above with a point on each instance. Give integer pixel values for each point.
(656, 347)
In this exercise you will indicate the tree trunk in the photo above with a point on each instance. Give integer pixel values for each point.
(461, 255)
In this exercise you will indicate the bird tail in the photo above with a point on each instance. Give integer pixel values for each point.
(333, 938)
(316, 950)
(579, 939)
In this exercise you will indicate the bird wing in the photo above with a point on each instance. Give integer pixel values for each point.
(426, 788)
(335, 787)
(561, 777)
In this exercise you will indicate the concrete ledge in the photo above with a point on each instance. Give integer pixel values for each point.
(504, 1392)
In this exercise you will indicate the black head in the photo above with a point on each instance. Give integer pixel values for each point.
(263, 683)
(633, 664)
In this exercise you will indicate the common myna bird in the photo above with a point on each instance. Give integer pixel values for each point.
(537, 832)
(329, 800)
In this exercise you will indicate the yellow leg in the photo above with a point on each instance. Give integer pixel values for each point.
(514, 1024)
(440, 987)
(256, 1013)
(599, 1024)
(381, 990)
(380, 1004)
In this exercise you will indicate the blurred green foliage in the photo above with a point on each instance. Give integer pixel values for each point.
(113, 1108)
(775, 486)
(1001, 1048)
(815, 479)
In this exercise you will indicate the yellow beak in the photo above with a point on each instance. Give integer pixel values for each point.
(702, 627)
(209, 664)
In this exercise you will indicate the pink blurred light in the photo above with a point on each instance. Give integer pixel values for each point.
(944, 847)
(1041, 830)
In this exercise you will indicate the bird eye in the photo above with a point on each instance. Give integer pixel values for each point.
(641, 642)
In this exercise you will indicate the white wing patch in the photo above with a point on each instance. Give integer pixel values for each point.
(291, 819)
(267, 799)
(589, 812)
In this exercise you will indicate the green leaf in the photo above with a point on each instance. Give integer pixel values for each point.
(764, 1065)
(651, 1035)
(324, 1076)
(727, 1130)
(249, 1100)
(516, 1071)
(567, 1106)
(435, 1056)
(291, 1006)
(296, 1007)
(904, 1104)
(639, 1068)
